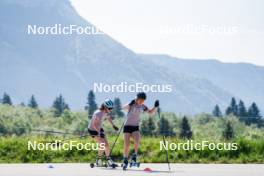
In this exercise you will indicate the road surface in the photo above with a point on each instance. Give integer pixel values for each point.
(77, 169)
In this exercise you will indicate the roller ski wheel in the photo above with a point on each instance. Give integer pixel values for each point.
(98, 163)
(113, 166)
(92, 165)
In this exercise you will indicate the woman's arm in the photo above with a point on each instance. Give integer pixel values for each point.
(109, 118)
(127, 106)
(151, 111)
(154, 109)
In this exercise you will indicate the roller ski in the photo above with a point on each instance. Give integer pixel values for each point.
(99, 163)
(111, 163)
(134, 162)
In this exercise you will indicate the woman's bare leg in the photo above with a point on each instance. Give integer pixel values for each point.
(99, 141)
(136, 137)
(126, 144)
(107, 148)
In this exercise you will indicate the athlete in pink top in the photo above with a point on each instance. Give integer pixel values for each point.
(96, 130)
(131, 126)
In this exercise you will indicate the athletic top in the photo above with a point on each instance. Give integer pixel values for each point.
(133, 115)
(100, 115)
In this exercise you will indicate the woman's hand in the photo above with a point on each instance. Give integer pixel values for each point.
(156, 104)
(116, 128)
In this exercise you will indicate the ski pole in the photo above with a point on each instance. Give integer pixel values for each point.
(48, 131)
(81, 136)
(117, 136)
(51, 131)
(68, 139)
(164, 143)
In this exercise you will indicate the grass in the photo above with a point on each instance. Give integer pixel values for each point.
(14, 150)
(16, 124)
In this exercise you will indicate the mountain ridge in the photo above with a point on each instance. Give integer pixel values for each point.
(50, 65)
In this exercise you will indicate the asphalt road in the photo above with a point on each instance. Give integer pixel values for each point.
(157, 169)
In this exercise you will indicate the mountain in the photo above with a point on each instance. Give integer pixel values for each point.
(243, 80)
(47, 65)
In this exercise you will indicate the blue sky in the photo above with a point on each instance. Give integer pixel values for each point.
(227, 30)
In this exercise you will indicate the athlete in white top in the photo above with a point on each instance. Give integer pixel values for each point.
(131, 126)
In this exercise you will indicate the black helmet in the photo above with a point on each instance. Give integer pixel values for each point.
(142, 95)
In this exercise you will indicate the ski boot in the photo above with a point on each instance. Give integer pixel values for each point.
(125, 164)
(134, 162)
(110, 163)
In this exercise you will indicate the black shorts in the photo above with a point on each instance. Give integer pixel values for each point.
(130, 129)
(94, 133)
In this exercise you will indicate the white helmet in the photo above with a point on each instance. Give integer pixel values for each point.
(108, 103)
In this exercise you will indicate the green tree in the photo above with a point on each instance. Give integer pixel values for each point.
(117, 111)
(6, 99)
(91, 104)
(185, 129)
(59, 106)
(242, 111)
(217, 111)
(228, 111)
(232, 108)
(33, 103)
(164, 127)
(254, 114)
(228, 132)
(148, 127)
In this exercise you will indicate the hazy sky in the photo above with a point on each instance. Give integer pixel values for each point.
(227, 30)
